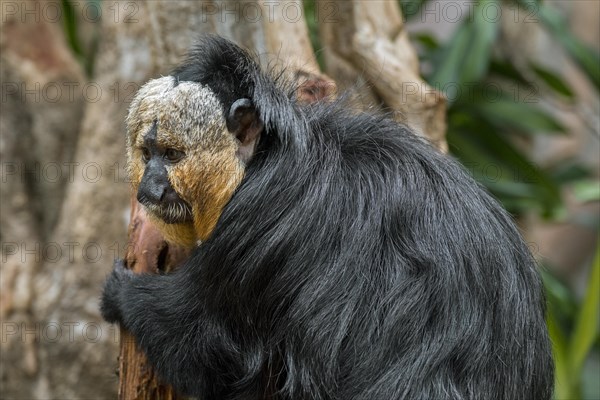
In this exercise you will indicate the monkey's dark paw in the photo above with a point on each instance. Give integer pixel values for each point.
(112, 295)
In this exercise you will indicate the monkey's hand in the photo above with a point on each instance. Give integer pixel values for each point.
(111, 302)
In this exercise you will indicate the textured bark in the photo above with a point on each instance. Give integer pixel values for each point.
(147, 252)
(367, 50)
(39, 122)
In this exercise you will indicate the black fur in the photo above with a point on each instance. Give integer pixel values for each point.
(353, 262)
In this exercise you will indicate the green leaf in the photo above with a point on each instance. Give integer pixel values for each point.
(498, 165)
(562, 379)
(586, 327)
(70, 27)
(553, 81)
(483, 34)
(561, 304)
(587, 190)
(560, 298)
(523, 117)
(507, 70)
(410, 8)
(587, 58)
(311, 19)
(451, 58)
(571, 170)
(528, 3)
(466, 57)
(428, 41)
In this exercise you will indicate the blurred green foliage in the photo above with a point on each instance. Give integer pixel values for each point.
(73, 21)
(494, 104)
(311, 17)
(573, 327)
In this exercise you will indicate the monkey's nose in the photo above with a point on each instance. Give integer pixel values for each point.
(157, 195)
(151, 194)
(169, 195)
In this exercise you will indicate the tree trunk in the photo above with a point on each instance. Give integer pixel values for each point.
(147, 252)
(42, 108)
(366, 49)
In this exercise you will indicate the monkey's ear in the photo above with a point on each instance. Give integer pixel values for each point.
(245, 124)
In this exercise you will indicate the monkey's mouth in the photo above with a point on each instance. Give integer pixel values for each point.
(177, 212)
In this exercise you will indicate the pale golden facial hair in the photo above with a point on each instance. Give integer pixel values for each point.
(190, 119)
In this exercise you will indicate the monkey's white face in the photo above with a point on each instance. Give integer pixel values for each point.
(184, 119)
(188, 114)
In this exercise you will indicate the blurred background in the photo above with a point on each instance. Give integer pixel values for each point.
(509, 87)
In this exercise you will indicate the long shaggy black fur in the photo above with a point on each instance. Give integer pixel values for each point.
(353, 262)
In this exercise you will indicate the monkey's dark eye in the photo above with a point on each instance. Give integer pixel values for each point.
(145, 154)
(173, 155)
